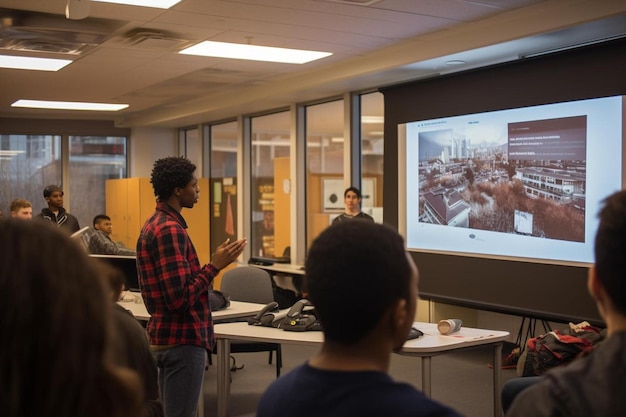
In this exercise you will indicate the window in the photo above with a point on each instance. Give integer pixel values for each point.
(28, 163)
(38, 152)
(93, 160)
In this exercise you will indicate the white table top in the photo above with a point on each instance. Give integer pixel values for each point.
(431, 342)
(288, 269)
(133, 302)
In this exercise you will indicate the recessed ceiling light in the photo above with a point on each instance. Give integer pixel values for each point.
(159, 4)
(32, 63)
(68, 105)
(254, 52)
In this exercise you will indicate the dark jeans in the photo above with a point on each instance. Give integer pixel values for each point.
(181, 372)
(514, 386)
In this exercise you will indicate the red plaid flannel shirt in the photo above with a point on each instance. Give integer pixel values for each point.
(173, 285)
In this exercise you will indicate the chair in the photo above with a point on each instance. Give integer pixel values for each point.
(83, 236)
(252, 285)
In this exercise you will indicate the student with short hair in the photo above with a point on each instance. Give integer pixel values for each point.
(175, 287)
(21, 209)
(352, 201)
(363, 285)
(55, 213)
(593, 385)
(100, 241)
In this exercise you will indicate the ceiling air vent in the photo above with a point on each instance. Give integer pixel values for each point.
(354, 2)
(154, 39)
(48, 33)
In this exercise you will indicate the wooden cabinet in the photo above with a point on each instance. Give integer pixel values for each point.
(282, 205)
(131, 201)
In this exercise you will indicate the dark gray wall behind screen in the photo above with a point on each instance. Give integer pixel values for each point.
(538, 290)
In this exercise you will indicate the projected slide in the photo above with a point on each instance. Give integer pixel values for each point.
(521, 183)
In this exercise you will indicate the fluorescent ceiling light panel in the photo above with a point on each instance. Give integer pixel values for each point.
(32, 63)
(253, 52)
(68, 105)
(159, 4)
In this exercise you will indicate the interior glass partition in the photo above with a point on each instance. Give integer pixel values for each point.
(269, 200)
(324, 166)
(372, 154)
(223, 182)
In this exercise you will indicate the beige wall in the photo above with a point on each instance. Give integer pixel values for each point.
(147, 144)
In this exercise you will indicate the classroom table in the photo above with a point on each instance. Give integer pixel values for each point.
(133, 302)
(425, 347)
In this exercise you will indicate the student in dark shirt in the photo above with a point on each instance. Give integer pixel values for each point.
(364, 288)
(100, 241)
(55, 213)
(352, 200)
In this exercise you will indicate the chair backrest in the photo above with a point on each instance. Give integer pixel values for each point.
(249, 284)
(83, 236)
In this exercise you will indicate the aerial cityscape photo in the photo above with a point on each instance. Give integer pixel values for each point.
(526, 178)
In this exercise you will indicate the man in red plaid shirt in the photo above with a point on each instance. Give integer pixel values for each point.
(175, 287)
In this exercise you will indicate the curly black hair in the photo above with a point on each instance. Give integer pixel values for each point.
(356, 269)
(171, 173)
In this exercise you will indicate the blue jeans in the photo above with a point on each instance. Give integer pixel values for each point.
(181, 372)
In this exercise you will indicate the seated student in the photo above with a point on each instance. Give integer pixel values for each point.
(130, 344)
(364, 288)
(593, 385)
(101, 243)
(21, 209)
(54, 328)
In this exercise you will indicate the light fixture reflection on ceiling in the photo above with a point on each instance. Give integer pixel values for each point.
(68, 105)
(254, 52)
(32, 63)
(159, 4)
(77, 9)
(372, 119)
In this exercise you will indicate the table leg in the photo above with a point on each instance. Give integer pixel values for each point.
(426, 374)
(497, 379)
(223, 377)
